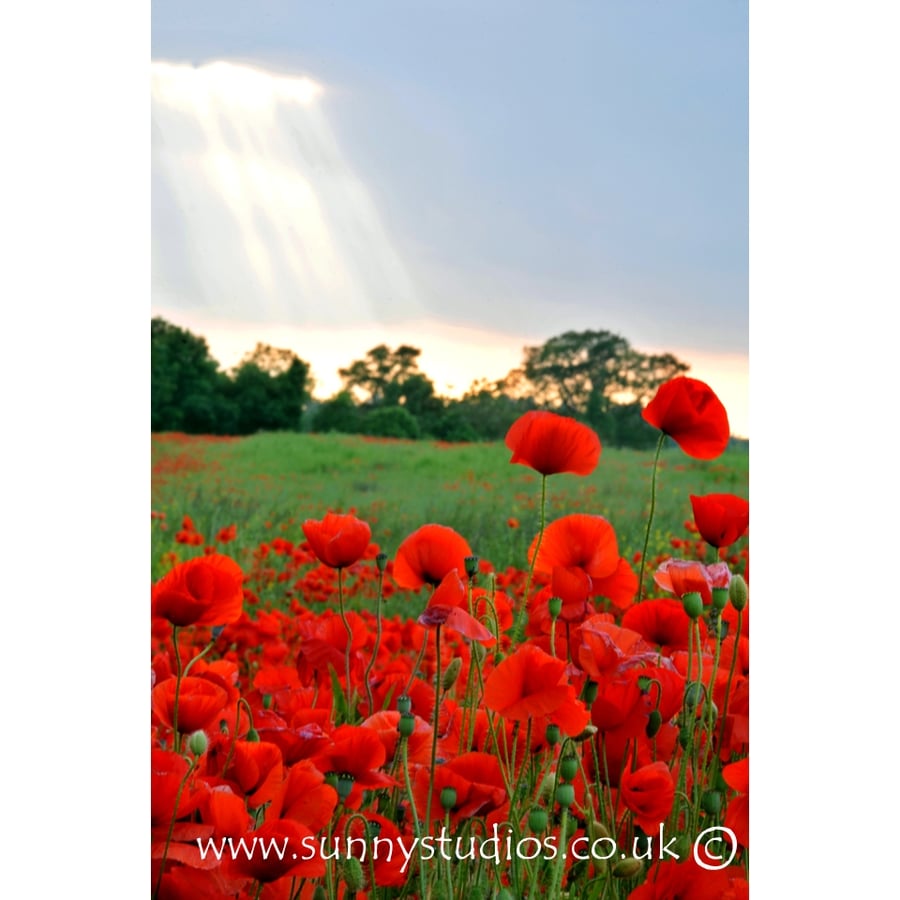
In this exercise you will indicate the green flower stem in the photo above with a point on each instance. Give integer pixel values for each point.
(377, 642)
(519, 627)
(659, 447)
(349, 641)
(178, 676)
(734, 656)
(437, 714)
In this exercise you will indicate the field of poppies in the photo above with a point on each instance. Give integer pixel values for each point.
(561, 709)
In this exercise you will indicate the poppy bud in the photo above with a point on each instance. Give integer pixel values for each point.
(693, 604)
(565, 794)
(545, 792)
(693, 694)
(404, 704)
(471, 566)
(407, 724)
(654, 723)
(684, 737)
(253, 736)
(537, 819)
(551, 735)
(448, 798)
(737, 592)
(267, 701)
(198, 742)
(554, 606)
(589, 692)
(381, 561)
(568, 768)
(682, 846)
(627, 868)
(719, 598)
(597, 831)
(588, 732)
(451, 673)
(711, 802)
(353, 873)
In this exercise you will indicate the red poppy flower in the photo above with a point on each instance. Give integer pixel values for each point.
(578, 541)
(662, 622)
(200, 702)
(428, 554)
(550, 443)
(337, 540)
(207, 590)
(290, 852)
(692, 415)
(531, 682)
(737, 815)
(649, 793)
(685, 879)
(720, 518)
(475, 777)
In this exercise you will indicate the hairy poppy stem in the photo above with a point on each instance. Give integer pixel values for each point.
(659, 447)
(349, 642)
(377, 642)
(437, 714)
(519, 628)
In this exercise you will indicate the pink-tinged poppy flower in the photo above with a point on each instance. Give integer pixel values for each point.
(550, 443)
(680, 577)
(692, 415)
(207, 590)
(337, 540)
(428, 554)
(720, 518)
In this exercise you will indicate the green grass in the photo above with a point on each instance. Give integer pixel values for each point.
(268, 484)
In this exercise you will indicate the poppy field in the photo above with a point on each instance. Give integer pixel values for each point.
(387, 669)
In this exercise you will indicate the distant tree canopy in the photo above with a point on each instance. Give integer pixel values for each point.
(594, 376)
(267, 391)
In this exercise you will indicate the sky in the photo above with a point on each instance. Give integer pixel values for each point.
(468, 177)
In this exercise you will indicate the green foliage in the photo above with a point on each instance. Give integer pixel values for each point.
(338, 414)
(390, 422)
(266, 391)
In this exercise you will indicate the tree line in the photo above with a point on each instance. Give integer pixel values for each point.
(594, 376)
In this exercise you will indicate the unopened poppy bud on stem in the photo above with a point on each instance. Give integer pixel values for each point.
(353, 873)
(627, 868)
(448, 798)
(451, 673)
(738, 593)
(198, 742)
(537, 819)
(554, 607)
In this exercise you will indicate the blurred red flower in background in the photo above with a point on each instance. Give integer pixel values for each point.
(428, 555)
(550, 443)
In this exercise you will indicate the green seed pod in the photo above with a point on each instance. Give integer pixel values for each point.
(253, 736)
(407, 724)
(627, 868)
(404, 704)
(693, 604)
(448, 798)
(738, 593)
(719, 598)
(198, 742)
(381, 561)
(568, 768)
(267, 701)
(589, 692)
(471, 566)
(551, 735)
(344, 784)
(654, 723)
(554, 607)
(537, 819)
(565, 794)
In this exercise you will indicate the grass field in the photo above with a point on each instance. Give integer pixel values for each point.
(268, 484)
